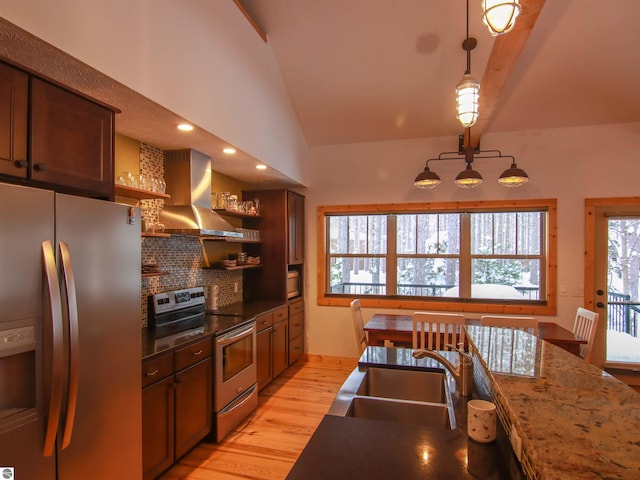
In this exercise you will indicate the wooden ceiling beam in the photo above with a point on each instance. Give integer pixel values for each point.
(502, 60)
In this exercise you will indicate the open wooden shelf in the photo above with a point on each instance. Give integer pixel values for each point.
(237, 267)
(154, 274)
(151, 234)
(235, 213)
(138, 193)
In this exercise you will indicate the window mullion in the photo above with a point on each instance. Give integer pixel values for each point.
(464, 289)
(392, 255)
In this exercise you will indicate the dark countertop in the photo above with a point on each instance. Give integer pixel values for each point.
(356, 448)
(215, 323)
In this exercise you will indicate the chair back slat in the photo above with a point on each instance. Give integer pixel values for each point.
(585, 326)
(434, 331)
(358, 326)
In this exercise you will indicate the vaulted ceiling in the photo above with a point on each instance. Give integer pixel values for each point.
(371, 70)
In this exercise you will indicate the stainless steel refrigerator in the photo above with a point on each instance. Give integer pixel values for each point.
(70, 389)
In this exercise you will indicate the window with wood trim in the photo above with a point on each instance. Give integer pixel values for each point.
(476, 254)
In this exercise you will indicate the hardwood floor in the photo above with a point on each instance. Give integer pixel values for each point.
(267, 444)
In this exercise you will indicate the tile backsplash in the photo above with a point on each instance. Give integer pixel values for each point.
(179, 256)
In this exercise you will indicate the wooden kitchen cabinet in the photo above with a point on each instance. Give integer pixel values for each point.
(71, 141)
(177, 404)
(295, 228)
(272, 347)
(282, 232)
(194, 405)
(296, 330)
(14, 98)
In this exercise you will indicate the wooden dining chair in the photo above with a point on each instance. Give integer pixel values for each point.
(528, 324)
(358, 326)
(585, 326)
(434, 331)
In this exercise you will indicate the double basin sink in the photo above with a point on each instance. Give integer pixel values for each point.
(419, 397)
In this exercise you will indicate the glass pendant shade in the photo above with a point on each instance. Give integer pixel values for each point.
(500, 15)
(467, 93)
(427, 179)
(513, 177)
(468, 178)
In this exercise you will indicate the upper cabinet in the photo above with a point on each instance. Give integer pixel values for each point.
(295, 227)
(71, 140)
(282, 234)
(14, 97)
(52, 137)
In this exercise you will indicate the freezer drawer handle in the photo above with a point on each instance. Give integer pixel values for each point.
(74, 344)
(54, 333)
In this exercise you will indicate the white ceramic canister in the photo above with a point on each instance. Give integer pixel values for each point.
(481, 421)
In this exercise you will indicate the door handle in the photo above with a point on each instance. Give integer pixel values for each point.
(74, 345)
(52, 287)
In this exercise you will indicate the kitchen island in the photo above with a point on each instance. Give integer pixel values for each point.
(574, 420)
(567, 419)
(349, 448)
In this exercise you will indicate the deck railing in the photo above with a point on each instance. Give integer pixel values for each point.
(623, 315)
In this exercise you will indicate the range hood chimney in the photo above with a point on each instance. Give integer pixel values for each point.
(189, 210)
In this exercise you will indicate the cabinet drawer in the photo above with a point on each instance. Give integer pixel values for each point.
(296, 325)
(264, 321)
(157, 368)
(296, 348)
(280, 314)
(296, 308)
(193, 353)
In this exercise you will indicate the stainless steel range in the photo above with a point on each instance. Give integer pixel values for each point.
(179, 316)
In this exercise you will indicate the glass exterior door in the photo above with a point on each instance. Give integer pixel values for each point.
(623, 292)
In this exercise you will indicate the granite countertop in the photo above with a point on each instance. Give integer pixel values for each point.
(575, 420)
(357, 448)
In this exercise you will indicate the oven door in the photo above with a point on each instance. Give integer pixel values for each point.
(235, 364)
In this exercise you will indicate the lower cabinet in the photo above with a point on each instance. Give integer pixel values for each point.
(296, 330)
(177, 404)
(272, 344)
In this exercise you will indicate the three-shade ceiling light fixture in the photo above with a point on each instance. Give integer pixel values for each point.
(499, 16)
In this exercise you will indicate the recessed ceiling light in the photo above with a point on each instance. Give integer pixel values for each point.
(185, 127)
(261, 166)
(229, 150)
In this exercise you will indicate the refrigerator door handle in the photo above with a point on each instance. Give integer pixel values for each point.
(54, 305)
(74, 345)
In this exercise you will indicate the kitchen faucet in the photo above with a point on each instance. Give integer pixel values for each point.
(463, 375)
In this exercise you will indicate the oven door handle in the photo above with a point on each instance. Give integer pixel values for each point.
(231, 337)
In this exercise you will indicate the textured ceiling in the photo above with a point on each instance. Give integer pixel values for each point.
(139, 117)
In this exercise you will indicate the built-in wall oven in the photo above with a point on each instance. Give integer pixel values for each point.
(236, 390)
(179, 316)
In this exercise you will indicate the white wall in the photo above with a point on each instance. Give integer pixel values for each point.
(201, 59)
(568, 164)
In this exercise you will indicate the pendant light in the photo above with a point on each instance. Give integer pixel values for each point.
(513, 177)
(500, 15)
(427, 179)
(470, 178)
(468, 89)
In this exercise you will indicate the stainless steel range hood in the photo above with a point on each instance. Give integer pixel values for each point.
(189, 210)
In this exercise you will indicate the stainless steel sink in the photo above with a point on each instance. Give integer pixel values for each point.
(416, 413)
(421, 386)
(419, 397)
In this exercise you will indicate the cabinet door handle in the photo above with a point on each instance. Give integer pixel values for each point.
(199, 352)
(20, 164)
(39, 167)
(151, 374)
